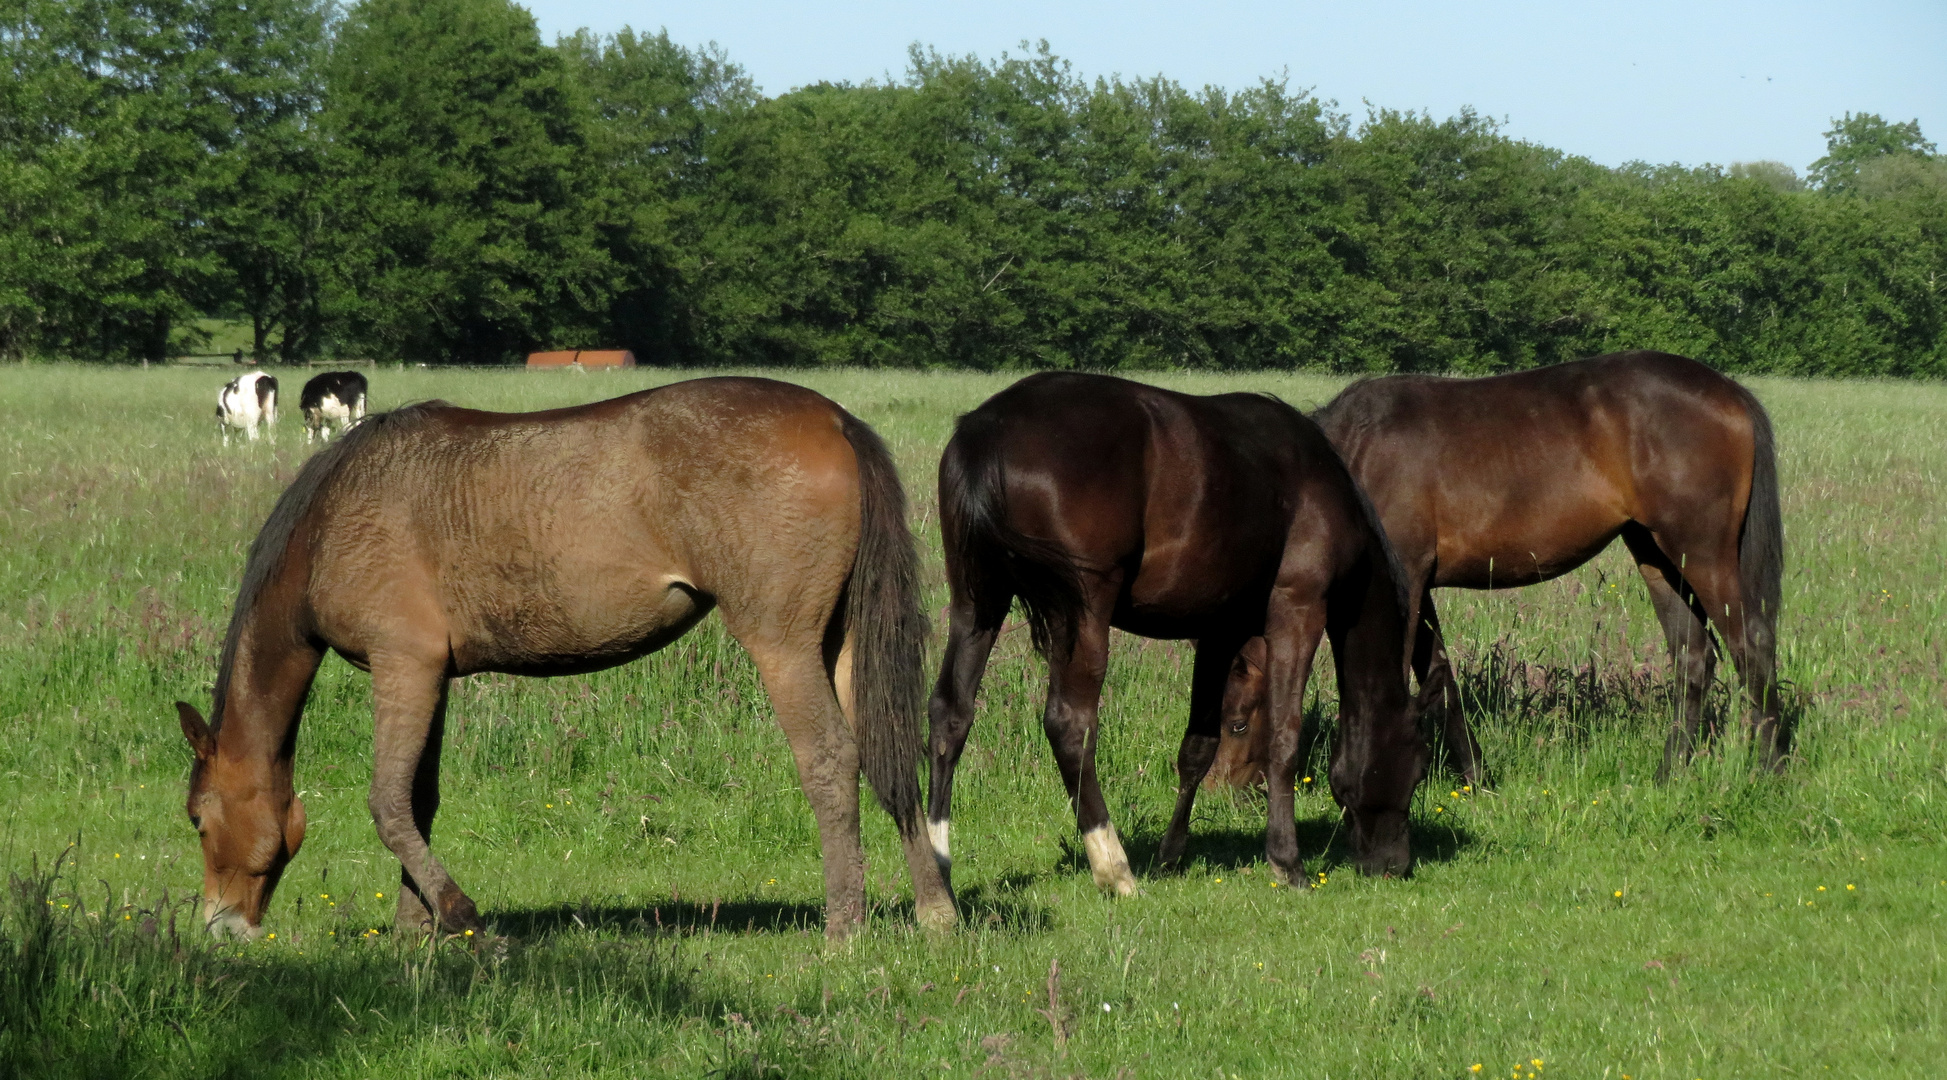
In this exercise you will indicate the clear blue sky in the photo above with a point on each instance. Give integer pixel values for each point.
(1651, 80)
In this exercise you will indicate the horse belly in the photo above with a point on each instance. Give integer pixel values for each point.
(1177, 593)
(588, 631)
(1525, 546)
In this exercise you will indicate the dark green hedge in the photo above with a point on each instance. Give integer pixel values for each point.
(425, 179)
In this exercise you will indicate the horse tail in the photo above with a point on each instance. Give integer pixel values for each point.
(992, 560)
(883, 613)
(1761, 550)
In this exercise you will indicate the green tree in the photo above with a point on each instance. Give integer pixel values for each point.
(468, 235)
(654, 106)
(1775, 175)
(1858, 139)
(270, 228)
(111, 126)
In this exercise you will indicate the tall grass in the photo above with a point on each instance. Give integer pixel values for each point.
(639, 838)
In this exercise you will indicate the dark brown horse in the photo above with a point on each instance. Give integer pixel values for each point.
(1512, 480)
(435, 541)
(1100, 502)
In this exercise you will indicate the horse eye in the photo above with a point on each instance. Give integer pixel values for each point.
(1240, 729)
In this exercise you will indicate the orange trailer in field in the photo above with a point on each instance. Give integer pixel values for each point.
(588, 358)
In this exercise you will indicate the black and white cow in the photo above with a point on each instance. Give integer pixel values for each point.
(245, 402)
(334, 397)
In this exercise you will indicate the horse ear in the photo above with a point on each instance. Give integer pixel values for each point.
(1429, 696)
(196, 731)
(1253, 652)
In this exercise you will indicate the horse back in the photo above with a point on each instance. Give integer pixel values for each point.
(1516, 478)
(579, 538)
(1190, 499)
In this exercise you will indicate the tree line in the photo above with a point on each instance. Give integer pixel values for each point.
(429, 180)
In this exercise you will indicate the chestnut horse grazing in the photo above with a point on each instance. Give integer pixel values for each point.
(1101, 502)
(1508, 481)
(435, 541)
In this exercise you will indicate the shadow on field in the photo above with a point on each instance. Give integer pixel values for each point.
(673, 916)
(986, 904)
(1002, 904)
(1324, 843)
(84, 994)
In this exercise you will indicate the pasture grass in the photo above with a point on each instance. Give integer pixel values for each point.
(638, 836)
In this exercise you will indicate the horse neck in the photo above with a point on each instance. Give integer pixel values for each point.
(268, 678)
(1372, 662)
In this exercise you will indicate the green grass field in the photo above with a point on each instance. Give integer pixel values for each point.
(639, 839)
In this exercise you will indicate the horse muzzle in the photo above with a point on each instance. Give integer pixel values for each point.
(225, 921)
(1381, 844)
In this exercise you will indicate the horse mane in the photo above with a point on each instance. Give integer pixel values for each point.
(1331, 409)
(267, 551)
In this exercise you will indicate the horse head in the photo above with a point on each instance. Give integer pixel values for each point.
(1379, 762)
(1244, 734)
(251, 823)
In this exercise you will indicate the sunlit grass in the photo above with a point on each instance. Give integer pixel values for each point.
(640, 837)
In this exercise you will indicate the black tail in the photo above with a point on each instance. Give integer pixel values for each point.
(994, 561)
(888, 631)
(1761, 553)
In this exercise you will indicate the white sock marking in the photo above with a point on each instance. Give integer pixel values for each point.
(937, 831)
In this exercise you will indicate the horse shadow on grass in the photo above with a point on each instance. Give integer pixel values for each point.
(281, 1007)
(1324, 843)
(999, 904)
(672, 916)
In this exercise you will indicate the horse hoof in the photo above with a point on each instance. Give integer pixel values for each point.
(940, 918)
(1284, 877)
(1118, 881)
(457, 915)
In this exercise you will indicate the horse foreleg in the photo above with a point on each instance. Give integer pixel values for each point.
(1293, 627)
(1434, 670)
(950, 718)
(408, 728)
(1201, 739)
(1071, 722)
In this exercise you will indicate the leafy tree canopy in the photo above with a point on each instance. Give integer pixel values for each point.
(1861, 138)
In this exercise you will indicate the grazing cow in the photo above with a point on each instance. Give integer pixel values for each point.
(334, 397)
(245, 402)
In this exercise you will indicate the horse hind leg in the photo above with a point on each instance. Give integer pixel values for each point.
(827, 757)
(1719, 598)
(1072, 724)
(408, 730)
(950, 714)
(1693, 656)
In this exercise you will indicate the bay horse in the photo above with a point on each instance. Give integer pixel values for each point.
(1515, 479)
(1101, 502)
(433, 542)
